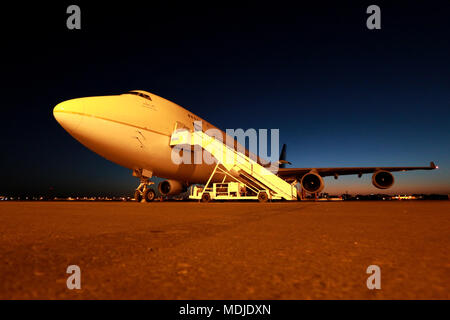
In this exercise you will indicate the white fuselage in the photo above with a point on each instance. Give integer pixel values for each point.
(133, 131)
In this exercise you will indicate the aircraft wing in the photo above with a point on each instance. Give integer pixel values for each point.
(297, 173)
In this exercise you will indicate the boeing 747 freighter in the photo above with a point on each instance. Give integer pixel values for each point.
(134, 130)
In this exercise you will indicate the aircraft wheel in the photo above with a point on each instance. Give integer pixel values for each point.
(137, 196)
(149, 195)
(263, 197)
(206, 197)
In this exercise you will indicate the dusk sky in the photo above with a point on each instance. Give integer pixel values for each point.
(341, 94)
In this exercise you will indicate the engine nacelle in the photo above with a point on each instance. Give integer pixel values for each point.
(312, 182)
(382, 179)
(171, 187)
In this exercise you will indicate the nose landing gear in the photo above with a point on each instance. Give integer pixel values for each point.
(144, 191)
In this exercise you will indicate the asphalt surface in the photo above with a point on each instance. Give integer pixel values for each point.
(176, 250)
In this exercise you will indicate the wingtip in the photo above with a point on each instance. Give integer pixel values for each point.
(433, 166)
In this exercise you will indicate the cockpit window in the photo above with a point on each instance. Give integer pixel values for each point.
(140, 94)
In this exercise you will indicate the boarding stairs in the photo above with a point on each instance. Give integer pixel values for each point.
(237, 165)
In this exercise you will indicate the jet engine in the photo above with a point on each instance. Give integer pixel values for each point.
(312, 182)
(382, 179)
(171, 187)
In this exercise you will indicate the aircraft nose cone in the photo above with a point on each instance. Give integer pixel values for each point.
(69, 114)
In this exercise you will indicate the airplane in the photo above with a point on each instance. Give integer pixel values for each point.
(134, 129)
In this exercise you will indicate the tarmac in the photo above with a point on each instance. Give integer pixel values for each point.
(245, 250)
